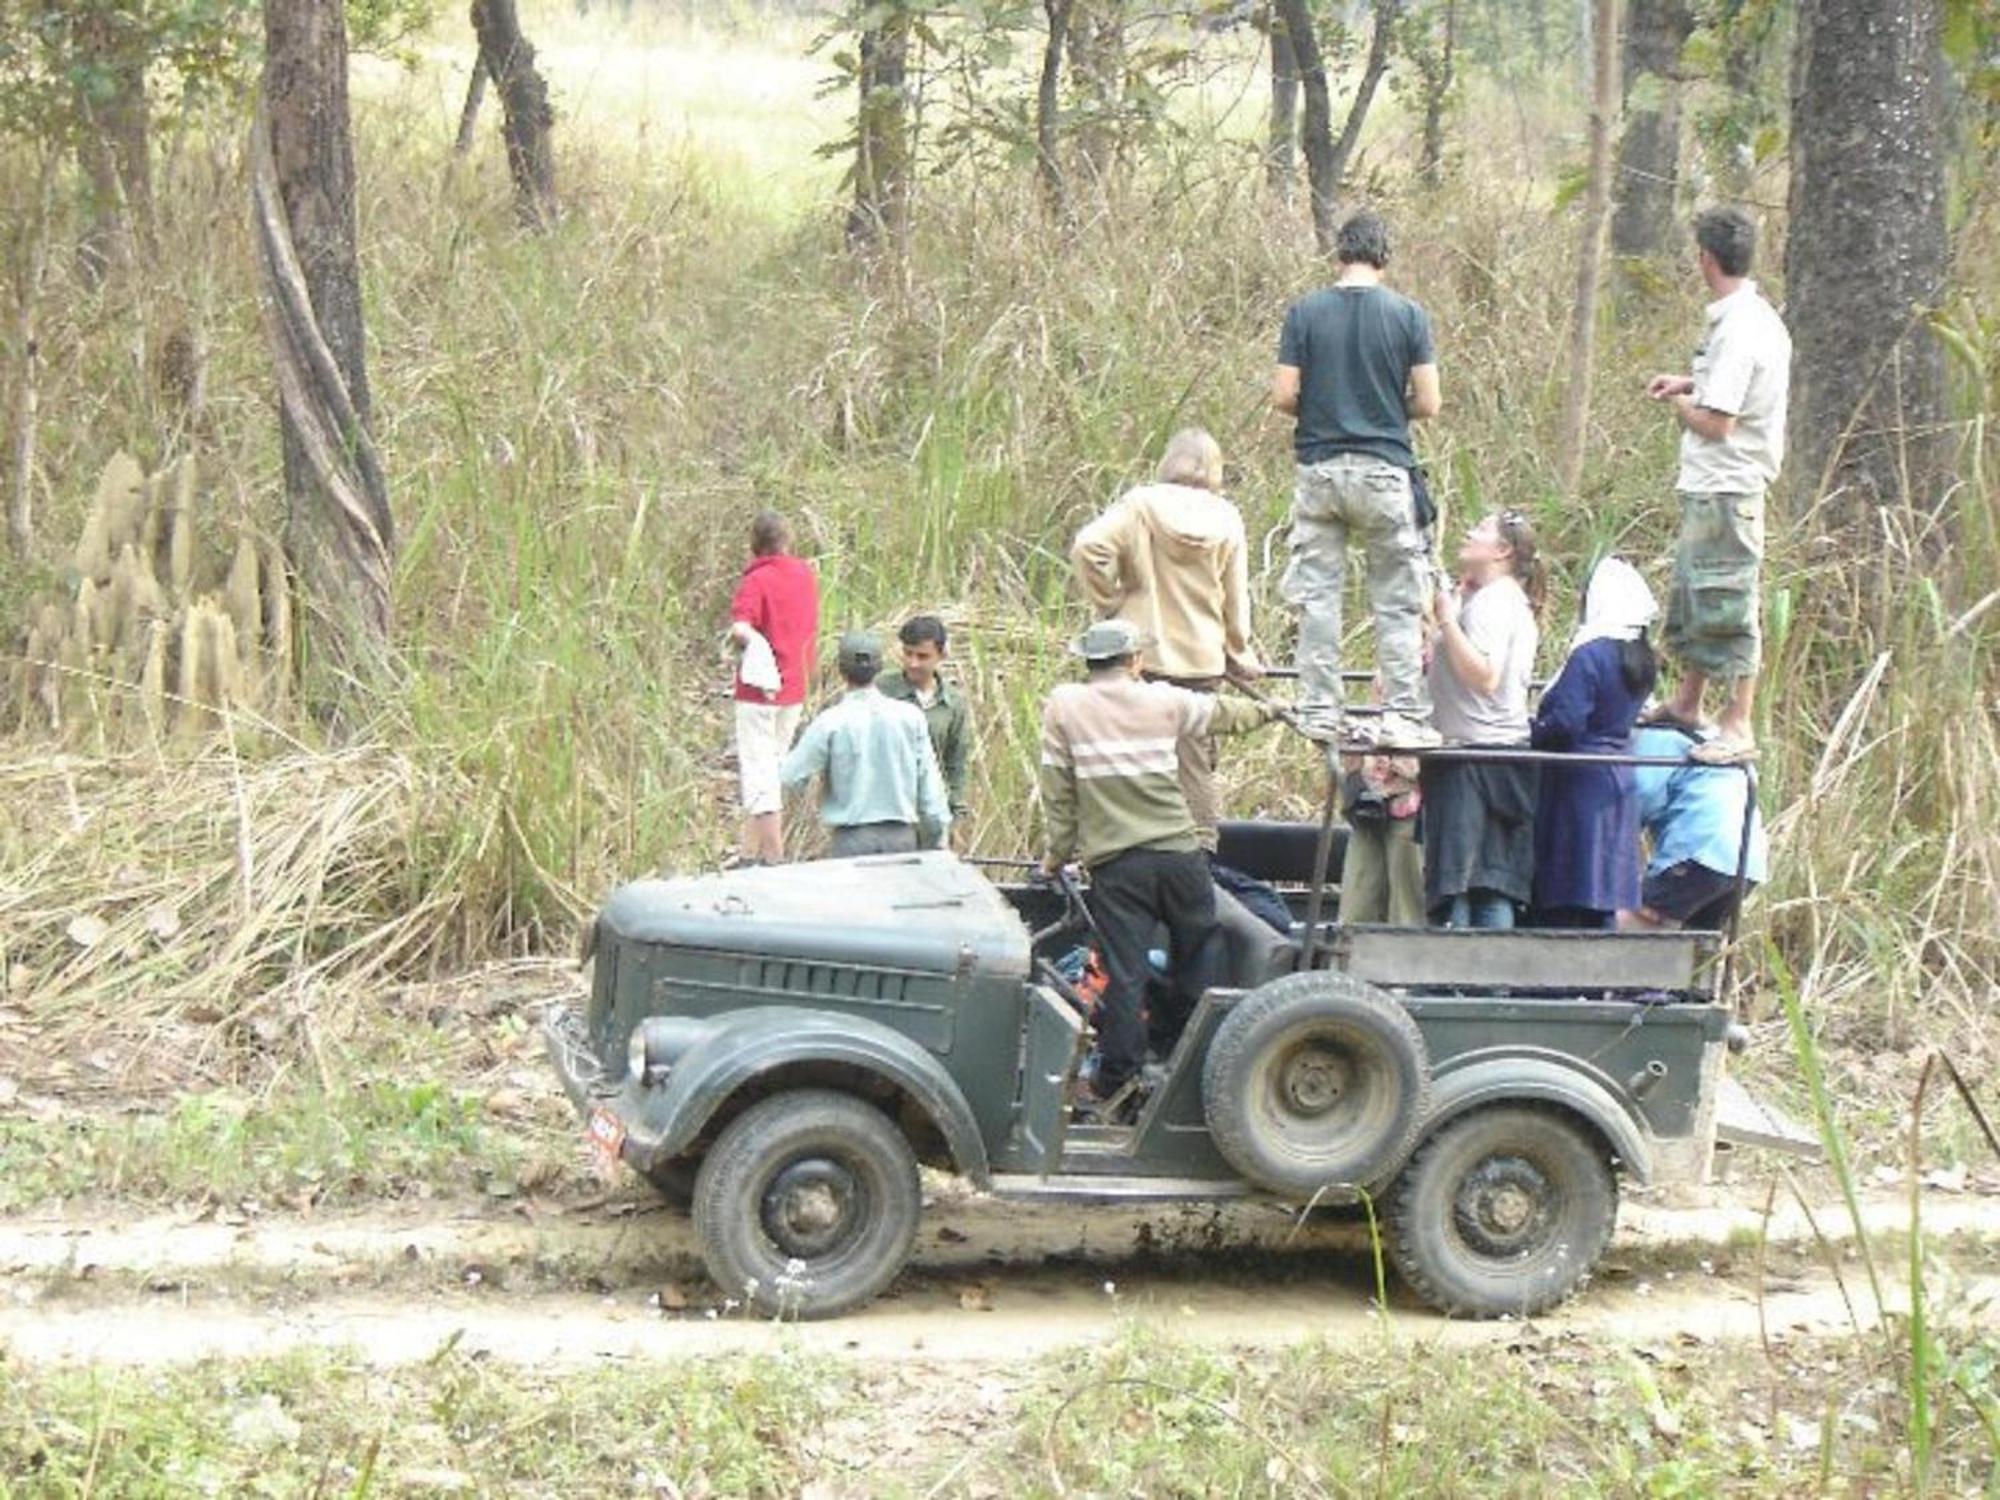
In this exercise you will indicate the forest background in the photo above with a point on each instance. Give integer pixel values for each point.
(939, 290)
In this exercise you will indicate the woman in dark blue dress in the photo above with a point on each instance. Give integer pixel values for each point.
(1587, 828)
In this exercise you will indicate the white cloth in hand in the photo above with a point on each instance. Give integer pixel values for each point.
(759, 665)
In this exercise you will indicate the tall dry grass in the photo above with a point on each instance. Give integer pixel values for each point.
(579, 425)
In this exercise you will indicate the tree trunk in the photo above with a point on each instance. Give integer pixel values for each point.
(468, 112)
(1438, 76)
(1649, 151)
(1866, 255)
(1097, 63)
(1048, 105)
(529, 123)
(1364, 92)
(27, 389)
(1590, 256)
(114, 146)
(1316, 129)
(882, 135)
(339, 536)
(1281, 153)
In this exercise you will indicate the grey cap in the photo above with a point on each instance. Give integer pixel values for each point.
(860, 649)
(1108, 639)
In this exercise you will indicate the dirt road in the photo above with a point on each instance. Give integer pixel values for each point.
(990, 1283)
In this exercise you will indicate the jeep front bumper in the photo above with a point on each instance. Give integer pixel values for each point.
(577, 1066)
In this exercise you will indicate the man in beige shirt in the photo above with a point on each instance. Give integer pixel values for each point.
(1731, 413)
(1170, 559)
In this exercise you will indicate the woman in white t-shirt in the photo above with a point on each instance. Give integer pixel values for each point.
(1479, 819)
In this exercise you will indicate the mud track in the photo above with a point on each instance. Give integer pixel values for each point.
(990, 1283)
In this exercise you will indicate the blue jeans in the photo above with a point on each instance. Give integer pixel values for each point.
(1476, 908)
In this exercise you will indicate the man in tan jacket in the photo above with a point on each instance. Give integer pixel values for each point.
(1170, 559)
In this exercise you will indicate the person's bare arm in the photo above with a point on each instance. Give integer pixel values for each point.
(1468, 663)
(1703, 421)
(1660, 387)
(1285, 389)
(1426, 398)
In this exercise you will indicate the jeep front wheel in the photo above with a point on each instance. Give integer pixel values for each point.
(807, 1204)
(1504, 1210)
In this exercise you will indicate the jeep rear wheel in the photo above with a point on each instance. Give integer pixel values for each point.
(1316, 1084)
(1503, 1211)
(807, 1204)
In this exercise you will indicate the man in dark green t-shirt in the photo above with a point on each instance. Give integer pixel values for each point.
(1356, 367)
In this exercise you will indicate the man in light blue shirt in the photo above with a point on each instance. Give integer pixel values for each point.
(880, 778)
(1693, 814)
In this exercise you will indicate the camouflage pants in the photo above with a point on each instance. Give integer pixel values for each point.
(1369, 499)
(1712, 622)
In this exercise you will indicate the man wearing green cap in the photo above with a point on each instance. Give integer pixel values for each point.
(879, 776)
(1112, 798)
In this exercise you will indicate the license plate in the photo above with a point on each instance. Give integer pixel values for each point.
(606, 1134)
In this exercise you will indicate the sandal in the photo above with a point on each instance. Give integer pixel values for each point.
(1666, 718)
(1723, 750)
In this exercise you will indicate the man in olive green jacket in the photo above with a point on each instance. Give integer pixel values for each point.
(924, 644)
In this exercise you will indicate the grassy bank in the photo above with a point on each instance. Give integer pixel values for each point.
(1142, 1415)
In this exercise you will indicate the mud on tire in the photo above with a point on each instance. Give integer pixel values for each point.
(807, 1204)
(1504, 1210)
(1316, 1082)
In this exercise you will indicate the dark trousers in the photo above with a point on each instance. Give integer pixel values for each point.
(1132, 896)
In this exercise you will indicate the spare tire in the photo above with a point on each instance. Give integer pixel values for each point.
(1316, 1084)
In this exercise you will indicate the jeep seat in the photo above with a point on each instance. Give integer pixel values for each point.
(1276, 853)
(1254, 952)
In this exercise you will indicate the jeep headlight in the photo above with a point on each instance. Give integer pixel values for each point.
(658, 1042)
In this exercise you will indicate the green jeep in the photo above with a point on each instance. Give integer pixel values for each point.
(781, 1047)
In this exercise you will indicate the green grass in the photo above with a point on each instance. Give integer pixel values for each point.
(1142, 1414)
(363, 1142)
(325, 1425)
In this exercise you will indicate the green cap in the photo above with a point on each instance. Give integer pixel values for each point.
(860, 650)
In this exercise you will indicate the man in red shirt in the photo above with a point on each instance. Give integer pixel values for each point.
(774, 626)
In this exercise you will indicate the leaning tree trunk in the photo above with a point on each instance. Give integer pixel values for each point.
(880, 212)
(1364, 92)
(114, 139)
(1048, 107)
(27, 376)
(1439, 73)
(1097, 64)
(1866, 254)
(1590, 256)
(1280, 151)
(339, 537)
(468, 112)
(1316, 128)
(528, 124)
(1649, 151)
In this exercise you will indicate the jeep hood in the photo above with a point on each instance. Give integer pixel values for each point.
(927, 911)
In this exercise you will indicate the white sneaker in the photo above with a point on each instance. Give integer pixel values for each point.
(1398, 732)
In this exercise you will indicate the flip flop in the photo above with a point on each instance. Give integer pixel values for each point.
(1723, 751)
(1666, 718)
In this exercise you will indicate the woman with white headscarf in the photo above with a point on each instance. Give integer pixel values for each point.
(1587, 826)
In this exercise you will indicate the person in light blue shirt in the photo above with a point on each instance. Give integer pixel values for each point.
(879, 776)
(1693, 813)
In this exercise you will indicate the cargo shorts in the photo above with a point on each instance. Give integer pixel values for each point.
(1712, 606)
